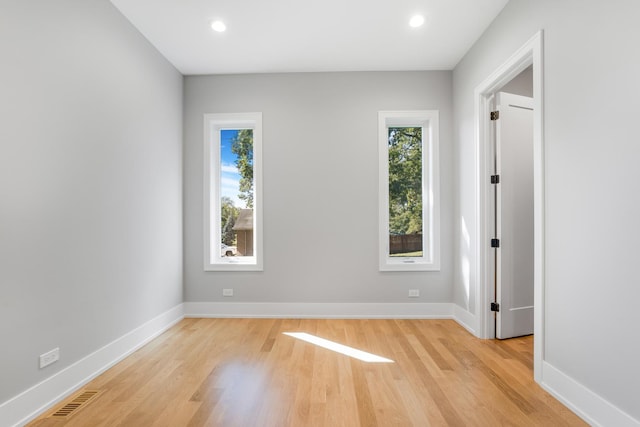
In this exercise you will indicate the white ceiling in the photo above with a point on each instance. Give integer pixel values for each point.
(310, 35)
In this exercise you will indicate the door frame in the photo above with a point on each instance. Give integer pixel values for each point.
(529, 54)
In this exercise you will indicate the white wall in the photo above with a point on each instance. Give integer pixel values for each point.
(90, 184)
(320, 185)
(591, 103)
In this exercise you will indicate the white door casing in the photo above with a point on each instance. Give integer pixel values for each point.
(531, 53)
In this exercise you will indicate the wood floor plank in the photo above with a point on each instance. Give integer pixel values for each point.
(430, 384)
(246, 372)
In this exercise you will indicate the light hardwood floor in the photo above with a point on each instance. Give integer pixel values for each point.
(245, 372)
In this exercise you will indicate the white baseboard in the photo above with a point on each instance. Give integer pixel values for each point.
(31, 403)
(585, 403)
(319, 310)
(466, 319)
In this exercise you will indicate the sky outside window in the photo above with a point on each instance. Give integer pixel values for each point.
(229, 175)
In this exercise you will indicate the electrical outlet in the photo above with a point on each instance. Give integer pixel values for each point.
(414, 293)
(227, 292)
(49, 357)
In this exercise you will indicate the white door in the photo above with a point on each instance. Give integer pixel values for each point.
(514, 215)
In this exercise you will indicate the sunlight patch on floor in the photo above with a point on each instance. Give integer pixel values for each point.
(339, 348)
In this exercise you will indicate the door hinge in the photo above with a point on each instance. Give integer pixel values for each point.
(495, 115)
(495, 307)
(495, 243)
(495, 179)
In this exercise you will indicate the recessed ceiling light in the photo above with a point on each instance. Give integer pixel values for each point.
(416, 21)
(218, 26)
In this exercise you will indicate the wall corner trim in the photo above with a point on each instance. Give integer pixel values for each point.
(591, 407)
(467, 320)
(29, 404)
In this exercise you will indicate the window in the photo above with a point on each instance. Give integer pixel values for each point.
(233, 191)
(409, 192)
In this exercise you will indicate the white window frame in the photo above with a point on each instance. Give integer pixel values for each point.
(213, 124)
(429, 121)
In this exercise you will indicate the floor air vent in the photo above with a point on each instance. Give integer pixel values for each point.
(78, 402)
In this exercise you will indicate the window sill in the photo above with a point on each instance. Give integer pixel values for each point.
(410, 264)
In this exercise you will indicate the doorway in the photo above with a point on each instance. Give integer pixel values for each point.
(529, 55)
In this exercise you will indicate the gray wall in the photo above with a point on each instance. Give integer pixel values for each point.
(522, 84)
(320, 185)
(90, 183)
(591, 103)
